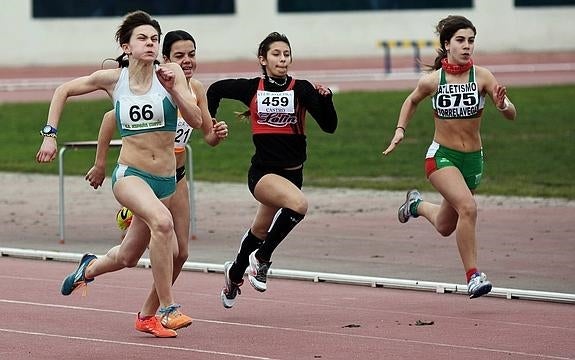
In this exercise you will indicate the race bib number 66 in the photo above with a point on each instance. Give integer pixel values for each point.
(141, 112)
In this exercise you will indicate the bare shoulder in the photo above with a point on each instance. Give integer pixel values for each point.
(428, 82)
(106, 76)
(482, 72)
(484, 77)
(196, 84)
(105, 79)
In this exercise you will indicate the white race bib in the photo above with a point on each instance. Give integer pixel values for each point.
(183, 133)
(275, 102)
(141, 112)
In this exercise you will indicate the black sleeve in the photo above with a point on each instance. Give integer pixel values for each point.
(236, 89)
(320, 107)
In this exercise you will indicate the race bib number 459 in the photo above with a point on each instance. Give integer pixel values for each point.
(275, 102)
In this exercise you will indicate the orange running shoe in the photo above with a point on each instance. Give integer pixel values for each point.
(172, 318)
(151, 325)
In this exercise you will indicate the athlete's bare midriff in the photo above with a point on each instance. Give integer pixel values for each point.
(151, 152)
(458, 134)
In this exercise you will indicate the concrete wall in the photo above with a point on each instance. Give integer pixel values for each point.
(501, 28)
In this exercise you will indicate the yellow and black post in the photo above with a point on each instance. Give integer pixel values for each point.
(415, 44)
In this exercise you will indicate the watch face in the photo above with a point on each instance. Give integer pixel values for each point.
(47, 129)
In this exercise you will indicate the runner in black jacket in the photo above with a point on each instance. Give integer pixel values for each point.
(277, 108)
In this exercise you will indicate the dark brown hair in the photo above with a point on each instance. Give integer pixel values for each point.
(446, 28)
(266, 43)
(173, 36)
(131, 21)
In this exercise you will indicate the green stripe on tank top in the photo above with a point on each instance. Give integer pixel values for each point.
(170, 111)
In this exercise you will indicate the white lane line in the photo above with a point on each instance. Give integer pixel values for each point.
(178, 348)
(339, 75)
(269, 327)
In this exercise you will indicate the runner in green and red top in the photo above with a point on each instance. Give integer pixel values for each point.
(454, 160)
(277, 107)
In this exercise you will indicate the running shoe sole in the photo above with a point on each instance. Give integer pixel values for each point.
(481, 290)
(177, 326)
(227, 303)
(70, 282)
(154, 327)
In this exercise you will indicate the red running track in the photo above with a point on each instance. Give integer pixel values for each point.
(292, 320)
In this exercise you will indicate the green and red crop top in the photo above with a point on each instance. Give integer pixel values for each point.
(458, 101)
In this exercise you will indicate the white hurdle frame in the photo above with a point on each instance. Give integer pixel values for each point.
(76, 145)
(375, 282)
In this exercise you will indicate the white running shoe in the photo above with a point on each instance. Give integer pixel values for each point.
(258, 273)
(404, 211)
(231, 290)
(478, 285)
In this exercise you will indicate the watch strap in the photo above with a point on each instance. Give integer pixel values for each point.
(49, 131)
(48, 134)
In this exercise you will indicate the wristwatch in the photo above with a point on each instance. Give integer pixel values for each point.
(49, 131)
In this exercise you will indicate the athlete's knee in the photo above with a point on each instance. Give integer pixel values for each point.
(128, 260)
(468, 210)
(181, 257)
(298, 204)
(162, 225)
